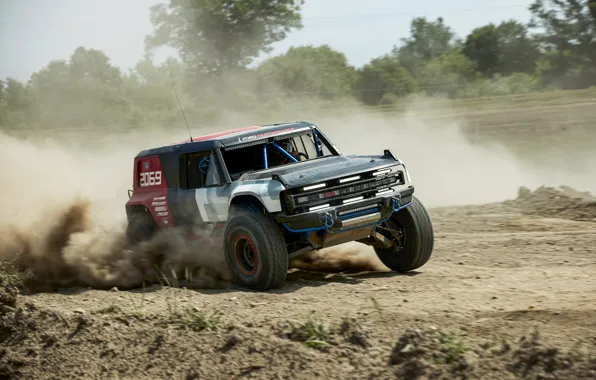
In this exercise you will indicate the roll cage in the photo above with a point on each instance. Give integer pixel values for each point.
(217, 170)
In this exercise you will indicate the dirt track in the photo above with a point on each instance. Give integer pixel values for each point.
(497, 274)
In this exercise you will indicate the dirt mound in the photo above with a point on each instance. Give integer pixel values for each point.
(431, 353)
(556, 202)
(192, 344)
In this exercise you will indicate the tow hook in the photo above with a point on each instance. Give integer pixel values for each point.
(396, 203)
(328, 220)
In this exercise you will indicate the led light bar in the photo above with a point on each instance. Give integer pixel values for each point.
(381, 172)
(320, 207)
(313, 187)
(349, 179)
(385, 191)
(352, 200)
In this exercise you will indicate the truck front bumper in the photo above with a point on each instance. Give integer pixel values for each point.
(349, 216)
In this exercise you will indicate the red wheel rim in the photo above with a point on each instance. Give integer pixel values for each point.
(247, 257)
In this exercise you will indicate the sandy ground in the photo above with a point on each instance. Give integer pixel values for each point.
(510, 291)
(505, 295)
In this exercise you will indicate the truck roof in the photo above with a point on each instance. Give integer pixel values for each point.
(246, 135)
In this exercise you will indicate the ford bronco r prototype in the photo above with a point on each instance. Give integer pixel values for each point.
(270, 193)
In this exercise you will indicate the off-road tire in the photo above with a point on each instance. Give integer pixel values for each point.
(419, 239)
(250, 227)
(141, 227)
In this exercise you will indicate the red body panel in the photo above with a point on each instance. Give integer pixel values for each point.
(151, 190)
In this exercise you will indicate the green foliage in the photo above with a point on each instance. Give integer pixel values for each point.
(592, 8)
(518, 83)
(428, 40)
(218, 40)
(213, 36)
(86, 90)
(319, 71)
(446, 74)
(384, 80)
(502, 49)
(16, 104)
(567, 35)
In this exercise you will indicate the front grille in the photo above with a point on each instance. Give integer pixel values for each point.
(335, 193)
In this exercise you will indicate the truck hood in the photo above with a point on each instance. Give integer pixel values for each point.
(322, 169)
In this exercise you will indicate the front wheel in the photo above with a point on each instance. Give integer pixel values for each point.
(412, 234)
(255, 250)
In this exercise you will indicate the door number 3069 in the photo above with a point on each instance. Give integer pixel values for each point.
(150, 179)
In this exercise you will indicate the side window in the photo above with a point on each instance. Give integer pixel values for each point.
(196, 166)
(213, 172)
(199, 170)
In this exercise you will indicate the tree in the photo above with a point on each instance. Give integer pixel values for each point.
(567, 34)
(213, 36)
(428, 40)
(446, 74)
(502, 49)
(94, 64)
(320, 71)
(16, 103)
(383, 80)
(87, 89)
(592, 7)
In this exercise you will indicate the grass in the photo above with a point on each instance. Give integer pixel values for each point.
(312, 333)
(453, 347)
(317, 334)
(194, 320)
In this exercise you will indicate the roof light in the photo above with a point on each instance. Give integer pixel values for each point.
(349, 179)
(313, 187)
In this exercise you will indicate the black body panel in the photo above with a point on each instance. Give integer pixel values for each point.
(183, 207)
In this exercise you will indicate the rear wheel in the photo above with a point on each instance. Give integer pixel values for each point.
(412, 234)
(141, 227)
(255, 249)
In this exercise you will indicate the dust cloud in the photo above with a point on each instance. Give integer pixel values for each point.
(445, 167)
(63, 220)
(62, 210)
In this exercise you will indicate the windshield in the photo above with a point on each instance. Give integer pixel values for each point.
(304, 147)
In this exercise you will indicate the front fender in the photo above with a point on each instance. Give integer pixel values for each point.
(266, 191)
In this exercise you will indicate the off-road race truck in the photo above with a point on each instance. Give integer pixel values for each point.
(270, 193)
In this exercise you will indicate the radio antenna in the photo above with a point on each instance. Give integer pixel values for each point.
(181, 109)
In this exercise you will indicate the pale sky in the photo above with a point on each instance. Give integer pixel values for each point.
(34, 32)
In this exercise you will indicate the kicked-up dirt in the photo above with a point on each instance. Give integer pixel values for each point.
(510, 292)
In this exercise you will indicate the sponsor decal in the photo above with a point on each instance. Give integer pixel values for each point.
(163, 198)
(150, 179)
(260, 135)
(159, 203)
(163, 213)
(158, 209)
